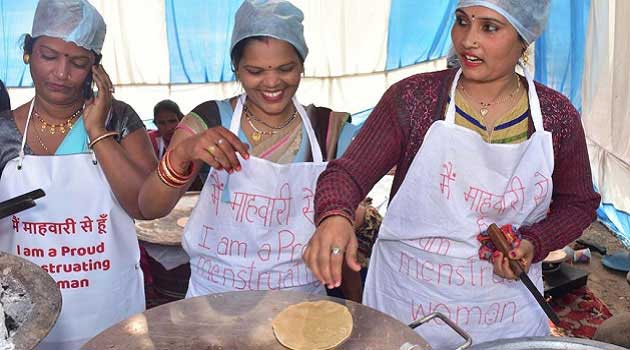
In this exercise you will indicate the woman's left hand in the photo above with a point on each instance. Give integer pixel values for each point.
(524, 254)
(97, 108)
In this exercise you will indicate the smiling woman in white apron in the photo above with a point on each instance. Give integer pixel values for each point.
(472, 146)
(90, 163)
(255, 213)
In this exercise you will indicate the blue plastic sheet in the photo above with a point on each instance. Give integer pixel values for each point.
(616, 220)
(560, 50)
(199, 34)
(419, 31)
(16, 18)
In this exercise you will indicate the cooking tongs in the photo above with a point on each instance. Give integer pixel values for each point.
(19, 203)
(497, 237)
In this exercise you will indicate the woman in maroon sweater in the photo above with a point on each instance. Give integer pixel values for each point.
(452, 182)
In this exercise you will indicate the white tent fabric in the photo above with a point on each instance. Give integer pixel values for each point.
(341, 72)
(135, 51)
(157, 49)
(606, 102)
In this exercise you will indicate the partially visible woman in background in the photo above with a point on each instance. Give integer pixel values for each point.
(166, 116)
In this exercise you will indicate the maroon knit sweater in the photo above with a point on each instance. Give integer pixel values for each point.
(395, 130)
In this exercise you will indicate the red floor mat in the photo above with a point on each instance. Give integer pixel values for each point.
(580, 312)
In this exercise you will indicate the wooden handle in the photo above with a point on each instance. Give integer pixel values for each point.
(497, 237)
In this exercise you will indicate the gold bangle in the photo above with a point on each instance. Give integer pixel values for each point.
(166, 172)
(102, 137)
(175, 173)
(165, 180)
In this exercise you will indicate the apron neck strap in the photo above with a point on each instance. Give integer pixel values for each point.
(534, 103)
(235, 125)
(23, 144)
(450, 112)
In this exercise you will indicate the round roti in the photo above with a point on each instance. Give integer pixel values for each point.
(556, 256)
(313, 325)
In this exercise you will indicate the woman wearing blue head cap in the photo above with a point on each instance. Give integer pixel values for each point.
(473, 146)
(90, 155)
(255, 212)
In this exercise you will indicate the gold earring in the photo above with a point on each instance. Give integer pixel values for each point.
(525, 57)
(26, 58)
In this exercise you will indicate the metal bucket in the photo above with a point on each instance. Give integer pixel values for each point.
(545, 343)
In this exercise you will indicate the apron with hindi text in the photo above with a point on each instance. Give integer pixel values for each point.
(81, 236)
(426, 257)
(249, 229)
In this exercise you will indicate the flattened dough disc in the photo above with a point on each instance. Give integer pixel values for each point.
(317, 325)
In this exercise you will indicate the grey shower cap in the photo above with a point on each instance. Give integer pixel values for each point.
(74, 21)
(273, 18)
(527, 16)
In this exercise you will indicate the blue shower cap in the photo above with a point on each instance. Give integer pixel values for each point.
(74, 21)
(273, 18)
(528, 17)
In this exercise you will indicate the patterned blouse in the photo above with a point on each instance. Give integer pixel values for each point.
(395, 131)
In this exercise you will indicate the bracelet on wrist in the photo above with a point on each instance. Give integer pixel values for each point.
(170, 176)
(101, 138)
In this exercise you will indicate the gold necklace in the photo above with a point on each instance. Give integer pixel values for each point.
(52, 128)
(282, 126)
(258, 134)
(484, 105)
(41, 143)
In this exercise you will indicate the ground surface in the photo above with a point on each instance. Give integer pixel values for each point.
(608, 285)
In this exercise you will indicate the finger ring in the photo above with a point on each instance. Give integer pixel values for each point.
(211, 150)
(111, 89)
(335, 250)
(220, 141)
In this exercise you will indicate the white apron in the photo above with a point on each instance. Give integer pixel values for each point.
(81, 236)
(249, 229)
(161, 146)
(426, 257)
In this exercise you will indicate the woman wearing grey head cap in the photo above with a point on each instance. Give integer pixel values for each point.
(254, 215)
(90, 155)
(473, 146)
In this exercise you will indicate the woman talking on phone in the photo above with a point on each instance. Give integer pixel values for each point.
(90, 154)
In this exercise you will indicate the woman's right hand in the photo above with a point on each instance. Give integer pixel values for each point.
(334, 232)
(216, 147)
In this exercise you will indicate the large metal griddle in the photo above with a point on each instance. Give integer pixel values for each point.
(242, 320)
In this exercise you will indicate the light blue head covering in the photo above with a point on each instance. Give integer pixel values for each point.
(527, 16)
(74, 21)
(273, 18)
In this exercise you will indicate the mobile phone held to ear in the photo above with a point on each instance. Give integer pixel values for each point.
(88, 93)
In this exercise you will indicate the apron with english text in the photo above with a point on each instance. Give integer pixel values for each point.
(426, 257)
(249, 229)
(81, 236)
